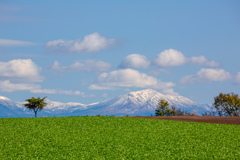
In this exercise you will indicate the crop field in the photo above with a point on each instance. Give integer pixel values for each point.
(116, 138)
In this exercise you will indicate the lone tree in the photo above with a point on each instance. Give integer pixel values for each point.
(227, 104)
(162, 108)
(35, 104)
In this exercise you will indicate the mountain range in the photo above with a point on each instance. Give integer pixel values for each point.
(141, 103)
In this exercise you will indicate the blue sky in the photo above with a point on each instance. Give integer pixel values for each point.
(89, 51)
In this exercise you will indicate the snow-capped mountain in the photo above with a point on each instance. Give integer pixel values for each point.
(9, 108)
(142, 102)
(58, 107)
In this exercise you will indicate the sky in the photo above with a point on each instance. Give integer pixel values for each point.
(90, 51)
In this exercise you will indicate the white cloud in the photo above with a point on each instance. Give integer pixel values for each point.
(198, 60)
(15, 43)
(20, 75)
(55, 91)
(90, 43)
(207, 75)
(201, 60)
(213, 74)
(20, 70)
(170, 57)
(135, 61)
(128, 78)
(7, 86)
(212, 64)
(169, 91)
(236, 79)
(39, 90)
(100, 87)
(86, 66)
(70, 92)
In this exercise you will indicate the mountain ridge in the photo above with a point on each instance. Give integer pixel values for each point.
(143, 102)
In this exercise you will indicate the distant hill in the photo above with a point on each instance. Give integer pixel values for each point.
(143, 102)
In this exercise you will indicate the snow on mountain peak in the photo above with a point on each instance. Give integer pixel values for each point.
(143, 102)
(151, 96)
(4, 98)
(60, 105)
(144, 93)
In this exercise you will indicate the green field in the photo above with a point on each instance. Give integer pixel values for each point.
(116, 138)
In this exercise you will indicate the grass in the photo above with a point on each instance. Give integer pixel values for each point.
(116, 138)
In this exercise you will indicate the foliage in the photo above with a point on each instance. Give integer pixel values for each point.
(179, 112)
(209, 113)
(35, 104)
(173, 111)
(227, 104)
(162, 108)
(116, 138)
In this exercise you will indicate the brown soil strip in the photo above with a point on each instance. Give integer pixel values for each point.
(206, 119)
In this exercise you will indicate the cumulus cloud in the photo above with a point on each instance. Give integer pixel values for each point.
(135, 61)
(201, 60)
(90, 43)
(86, 66)
(128, 78)
(209, 75)
(15, 43)
(20, 70)
(21, 74)
(170, 57)
(236, 79)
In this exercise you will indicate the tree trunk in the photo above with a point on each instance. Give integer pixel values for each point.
(35, 114)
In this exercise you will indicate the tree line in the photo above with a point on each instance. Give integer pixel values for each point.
(224, 105)
(164, 110)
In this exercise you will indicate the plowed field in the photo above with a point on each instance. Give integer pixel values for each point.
(206, 119)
